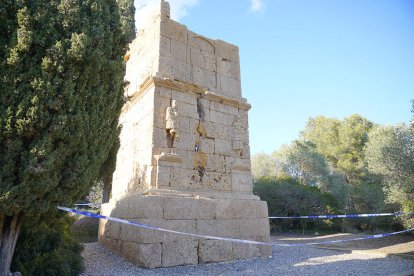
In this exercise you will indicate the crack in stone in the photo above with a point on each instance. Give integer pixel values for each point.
(200, 110)
(201, 115)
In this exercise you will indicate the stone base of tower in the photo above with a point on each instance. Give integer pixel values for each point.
(243, 217)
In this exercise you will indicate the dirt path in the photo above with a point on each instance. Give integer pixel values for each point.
(399, 245)
(355, 258)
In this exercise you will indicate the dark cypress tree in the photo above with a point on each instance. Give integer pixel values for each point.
(61, 92)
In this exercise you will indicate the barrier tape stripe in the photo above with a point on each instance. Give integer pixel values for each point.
(329, 216)
(88, 214)
(344, 216)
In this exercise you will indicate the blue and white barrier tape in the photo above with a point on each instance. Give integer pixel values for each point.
(344, 216)
(329, 216)
(133, 223)
(93, 205)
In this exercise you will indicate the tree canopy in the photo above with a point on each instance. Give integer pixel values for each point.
(264, 165)
(390, 153)
(62, 91)
(365, 167)
(341, 142)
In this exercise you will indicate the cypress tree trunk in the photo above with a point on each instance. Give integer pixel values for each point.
(107, 187)
(9, 232)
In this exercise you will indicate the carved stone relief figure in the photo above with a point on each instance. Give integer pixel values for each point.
(171, 121)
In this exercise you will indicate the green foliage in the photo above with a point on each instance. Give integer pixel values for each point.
(368, 197)
(341, 142)
(264, 165)
(301, 161)
(287, 197)
(390, 153)
(95, 193)
(323, 133)
(85, 229)
(366, 168)
(61, 71)
(48, 249)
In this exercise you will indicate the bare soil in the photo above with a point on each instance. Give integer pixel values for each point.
(399, 245)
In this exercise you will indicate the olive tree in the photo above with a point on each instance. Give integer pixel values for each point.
(390, 153)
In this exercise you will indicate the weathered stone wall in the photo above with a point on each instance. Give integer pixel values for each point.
(134, 168)
(212, 152)
(225, 217)
(184, 160)
(189, 57)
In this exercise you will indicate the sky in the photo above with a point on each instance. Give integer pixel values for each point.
(304, 58)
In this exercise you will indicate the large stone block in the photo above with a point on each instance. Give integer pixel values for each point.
(174, 30)
(179, 51)
(209, 61)
(219, 228)
(196, 58)
(199, 42)
(179, 253)
(144, 207)
(163, 92)
(238, 165)
(225, 209)
(223, 108)
(188, 208)
(111, 244)
(166, 67)
(216, 163)
(223, 147)
(146, 255)
(212, 251)
(186, 141)
(185, 178)
(109, 229)
(210, 129)
(163, 177)
(207, 146)
(216, 182)
(245, 251)
(242, 182)
(221, 118)
(228, 68)
(227, 51)
(165, 46)
(187, 110)
(138, 234)
(184, 97)
(182, 71)
(204, 78)
(229, 86)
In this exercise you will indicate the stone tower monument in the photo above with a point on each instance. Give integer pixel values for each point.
(184, 160)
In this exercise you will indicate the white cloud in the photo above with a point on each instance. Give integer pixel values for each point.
(256, 5)
(145, 8)
(179, 8)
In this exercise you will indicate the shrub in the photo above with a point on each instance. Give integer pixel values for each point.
(287, 197)
(47, 248)
(85, 229)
